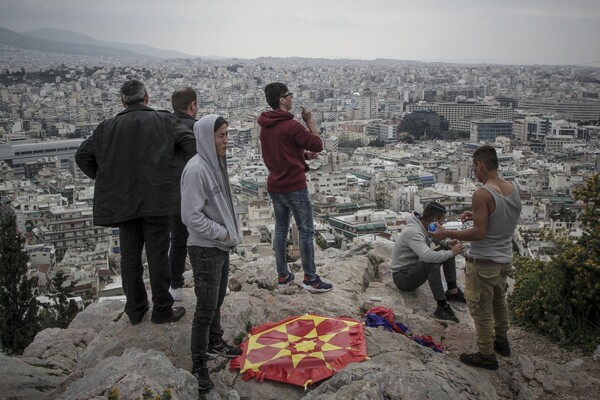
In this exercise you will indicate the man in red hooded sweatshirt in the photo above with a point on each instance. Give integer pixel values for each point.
(286, 144)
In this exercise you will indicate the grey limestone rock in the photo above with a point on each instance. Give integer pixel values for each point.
(101, 349)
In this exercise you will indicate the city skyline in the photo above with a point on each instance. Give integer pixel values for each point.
(466, 31)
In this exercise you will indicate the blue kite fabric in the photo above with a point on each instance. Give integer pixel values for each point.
(382, 316)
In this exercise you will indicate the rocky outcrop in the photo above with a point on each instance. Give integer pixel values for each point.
(101, 350)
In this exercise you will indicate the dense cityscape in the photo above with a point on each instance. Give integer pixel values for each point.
(397, 135)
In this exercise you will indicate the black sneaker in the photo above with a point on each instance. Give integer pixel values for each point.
(204, 382)
(458, 297)
(285, 281)
(502, 348)
(174, 316)
(479, 360)
(223, 349)
(316, 286)
(445, 313)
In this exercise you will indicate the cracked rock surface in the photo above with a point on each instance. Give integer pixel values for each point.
(101, 350)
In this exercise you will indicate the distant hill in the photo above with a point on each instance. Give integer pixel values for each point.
(61, 41)
(65, 36)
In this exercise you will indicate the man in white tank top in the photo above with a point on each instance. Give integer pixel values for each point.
(496, 211)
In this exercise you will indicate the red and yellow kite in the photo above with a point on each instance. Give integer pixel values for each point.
(301, 350)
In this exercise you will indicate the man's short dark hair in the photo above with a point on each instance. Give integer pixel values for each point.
(133, 92)
(434, 210)
(487, 155)
(273, 92)
(182, 98)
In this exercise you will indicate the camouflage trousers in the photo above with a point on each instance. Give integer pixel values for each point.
(485, 290)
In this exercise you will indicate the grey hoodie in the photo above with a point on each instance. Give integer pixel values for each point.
(413, 245)
(206, 204)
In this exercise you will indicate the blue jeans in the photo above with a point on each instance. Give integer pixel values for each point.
(211, 270)
(296, 203)
(134, 234)
(178, 250)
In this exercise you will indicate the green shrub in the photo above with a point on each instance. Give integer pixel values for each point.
(561, 298)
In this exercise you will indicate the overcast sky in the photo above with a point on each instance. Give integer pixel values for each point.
(501, 31)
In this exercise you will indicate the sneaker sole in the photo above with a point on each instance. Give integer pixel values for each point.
(488, 367)
(456, 300)
(215, 355)
(313, 289)
(446, 319)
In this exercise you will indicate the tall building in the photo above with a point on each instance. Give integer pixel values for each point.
(17, 154)
(65, 226)
(587, 110)
(459, 114)
(387, 133)
(487, 130)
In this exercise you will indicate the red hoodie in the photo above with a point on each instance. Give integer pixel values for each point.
(284, 141)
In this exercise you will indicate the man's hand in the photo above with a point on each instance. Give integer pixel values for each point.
(311, 155)
(466, 216)
(306, 115)
(440, 232)
(453, 242)
(457, 248)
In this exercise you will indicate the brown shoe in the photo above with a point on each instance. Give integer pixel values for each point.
(176, 314)
(478, 360)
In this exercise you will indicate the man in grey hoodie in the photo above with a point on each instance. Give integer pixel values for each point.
(414, 261)
(207, 211)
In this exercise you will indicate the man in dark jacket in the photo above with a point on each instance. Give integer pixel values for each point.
(185, 107)
(285, 145)
(132, 158)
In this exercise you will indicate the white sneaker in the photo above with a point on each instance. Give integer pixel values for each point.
(177, 294)
(227, 291)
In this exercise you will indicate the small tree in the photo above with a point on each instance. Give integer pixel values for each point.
(561, 298)
(18, 305)
(61, 311)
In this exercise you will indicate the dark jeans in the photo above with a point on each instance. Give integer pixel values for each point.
(411, 277)
(178, 250)
(154, 233)
(211, 270)
(296, 203)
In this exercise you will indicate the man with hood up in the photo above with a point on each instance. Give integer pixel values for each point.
(285, 146)
(414, 261)
(207, 211)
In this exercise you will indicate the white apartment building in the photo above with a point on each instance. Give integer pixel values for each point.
(65, 226)
(17, 154)
(574, 110)
(557, 142)
(328, 183)
(260, 213)
(29, 209)
(363, 222)
(459, 115)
